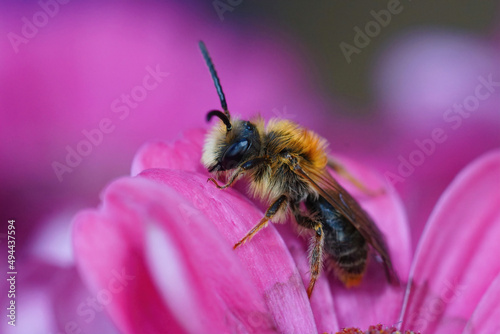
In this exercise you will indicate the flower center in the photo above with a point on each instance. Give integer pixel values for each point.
(377, 329)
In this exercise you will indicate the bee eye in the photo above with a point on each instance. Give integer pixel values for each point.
(234, 154)
(236, 149)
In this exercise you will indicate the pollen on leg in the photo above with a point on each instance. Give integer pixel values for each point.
(376, 329)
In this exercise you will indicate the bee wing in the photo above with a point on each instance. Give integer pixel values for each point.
(328, 188)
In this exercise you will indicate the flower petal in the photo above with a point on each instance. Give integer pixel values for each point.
(456, 259)
(122, 266)
(484, 320)
(181, 268)
(265, 257)
(131, 207)
(184, 154)
(108, 252)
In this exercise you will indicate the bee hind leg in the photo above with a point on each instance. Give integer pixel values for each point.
(280, 203)
(315, 257)
(316, 247)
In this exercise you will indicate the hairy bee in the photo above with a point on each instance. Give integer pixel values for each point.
(286, 165)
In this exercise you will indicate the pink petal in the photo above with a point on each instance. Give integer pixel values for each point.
(456, 259)
(375, 300)
(113, 242)
(484, 320)
(180, 267)
(265, 257)
(106, 255)
(183, 154)
(135, 207)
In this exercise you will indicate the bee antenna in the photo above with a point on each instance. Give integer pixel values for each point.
(222, 116)
(218, 86)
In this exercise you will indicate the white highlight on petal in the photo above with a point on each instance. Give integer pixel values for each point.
(170, 276)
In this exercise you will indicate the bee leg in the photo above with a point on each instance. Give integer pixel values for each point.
(316, 257)
(270, 212)
(244, 167)
(342, 171)
(214, 181)
(316, 249)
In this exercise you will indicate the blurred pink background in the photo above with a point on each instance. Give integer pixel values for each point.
(66, 75)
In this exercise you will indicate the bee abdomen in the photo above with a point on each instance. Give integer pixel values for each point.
(348, 258)
(344, 244)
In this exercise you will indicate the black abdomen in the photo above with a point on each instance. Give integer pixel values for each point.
(343, 242)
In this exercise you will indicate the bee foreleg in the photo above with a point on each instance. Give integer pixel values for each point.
(244, 167)
(270, 212)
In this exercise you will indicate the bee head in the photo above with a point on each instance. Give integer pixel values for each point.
(232, 143)
(225, 150)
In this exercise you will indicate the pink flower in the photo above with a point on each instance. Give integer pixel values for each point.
(169, 235)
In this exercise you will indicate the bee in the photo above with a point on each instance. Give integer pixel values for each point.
(286, 166)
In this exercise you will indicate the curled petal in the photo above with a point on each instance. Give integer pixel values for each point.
(266, 258)
(181, 221)
(184, 154)
(148, 254)
(456, 259)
